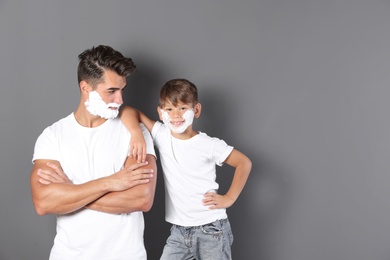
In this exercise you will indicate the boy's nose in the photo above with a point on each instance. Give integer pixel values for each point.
(176, 113)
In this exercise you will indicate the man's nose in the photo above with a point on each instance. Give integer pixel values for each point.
(119, 98)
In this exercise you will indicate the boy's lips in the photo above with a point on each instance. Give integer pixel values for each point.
(177, 123)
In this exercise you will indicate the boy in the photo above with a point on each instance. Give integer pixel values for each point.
(200, 227)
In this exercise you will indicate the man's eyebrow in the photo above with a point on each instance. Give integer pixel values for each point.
(115, 88)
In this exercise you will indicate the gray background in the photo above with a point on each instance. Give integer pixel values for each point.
(300, 86)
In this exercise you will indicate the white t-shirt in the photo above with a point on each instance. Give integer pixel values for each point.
(86, 154)
(189, 172)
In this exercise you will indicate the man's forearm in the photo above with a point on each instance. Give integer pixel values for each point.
(124, 201)
(59, 198)
(52, 195)
(137, 198)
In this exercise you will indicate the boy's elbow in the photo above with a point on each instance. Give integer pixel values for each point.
(247, 165)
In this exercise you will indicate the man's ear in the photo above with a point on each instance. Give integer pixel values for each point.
(197, 110)
(85, 87)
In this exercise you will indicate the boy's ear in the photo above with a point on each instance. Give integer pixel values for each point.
(159, 112)
(197, 110)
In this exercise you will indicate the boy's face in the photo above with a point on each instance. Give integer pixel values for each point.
(180, 117)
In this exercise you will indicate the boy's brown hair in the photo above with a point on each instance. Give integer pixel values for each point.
(178, 90)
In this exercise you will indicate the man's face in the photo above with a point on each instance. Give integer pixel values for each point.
(106, 99)
(112, 87)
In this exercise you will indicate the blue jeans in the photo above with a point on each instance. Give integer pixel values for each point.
(208, 242)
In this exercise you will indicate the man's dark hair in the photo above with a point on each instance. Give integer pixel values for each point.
(93, 62)
(178, 90)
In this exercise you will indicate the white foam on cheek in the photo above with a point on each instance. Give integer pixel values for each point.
(165, 117)
(188, 117)
(97, 107)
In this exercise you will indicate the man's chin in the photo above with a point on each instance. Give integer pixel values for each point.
(112, 115)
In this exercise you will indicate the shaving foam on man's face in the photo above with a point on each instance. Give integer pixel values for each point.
(178, 126)
(97, 107)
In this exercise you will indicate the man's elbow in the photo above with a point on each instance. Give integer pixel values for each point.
(145, 200)
(42, 206)
(40, 209)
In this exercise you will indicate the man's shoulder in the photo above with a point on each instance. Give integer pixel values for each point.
(65, 121)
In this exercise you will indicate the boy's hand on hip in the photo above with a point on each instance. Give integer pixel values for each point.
(216, 201)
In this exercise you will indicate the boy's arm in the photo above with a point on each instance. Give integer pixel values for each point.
(128, 114)
(149, 123)
(131, 119)
(243, 167)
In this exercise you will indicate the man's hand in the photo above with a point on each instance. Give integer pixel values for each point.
(216, 201)
(55, 175)
(130, 176)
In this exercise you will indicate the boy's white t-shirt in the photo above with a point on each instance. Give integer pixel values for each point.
(86, 154)
(189, 172)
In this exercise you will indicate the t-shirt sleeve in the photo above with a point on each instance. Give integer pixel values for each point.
(46, 147)
(156, 127)
(221, 151)
(148, 140)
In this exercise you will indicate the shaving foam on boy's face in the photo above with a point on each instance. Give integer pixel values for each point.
(178, 127)
(97, 107)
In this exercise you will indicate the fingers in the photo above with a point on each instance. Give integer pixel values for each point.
(57, 169)
(135, 166)
(47, 177)
(50, 176)
(213, 200)
(142, 155)
(134, 178)
(141, 176)
(138, 153)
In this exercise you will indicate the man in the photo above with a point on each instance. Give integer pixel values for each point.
(82, 171)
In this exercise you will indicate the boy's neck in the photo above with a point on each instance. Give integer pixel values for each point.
(187, 134)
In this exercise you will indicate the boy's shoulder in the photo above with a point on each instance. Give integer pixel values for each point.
(205, 137)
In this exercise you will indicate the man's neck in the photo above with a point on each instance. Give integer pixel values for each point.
(84, 118)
